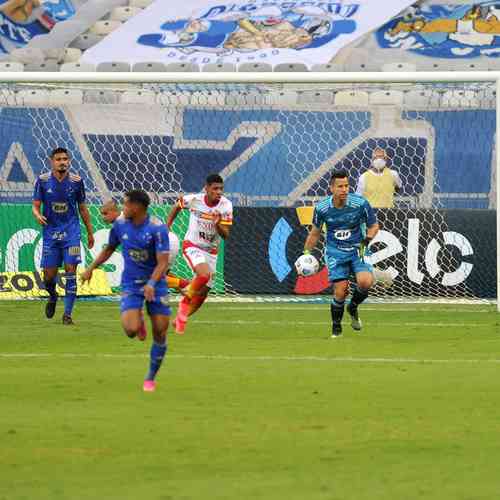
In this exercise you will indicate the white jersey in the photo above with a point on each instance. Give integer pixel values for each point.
(201, 231)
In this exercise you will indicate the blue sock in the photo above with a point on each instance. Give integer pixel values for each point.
(70, 297)
(156, 357)
(50, 286)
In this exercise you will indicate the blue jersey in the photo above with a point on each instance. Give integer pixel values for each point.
(345, 227)
(60, 200)
(140, 244)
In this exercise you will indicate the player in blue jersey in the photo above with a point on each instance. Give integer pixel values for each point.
(145, 250)
(350, 226)
(58, 200)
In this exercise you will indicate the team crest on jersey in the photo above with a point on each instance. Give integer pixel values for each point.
(446, 31)
(245, 29)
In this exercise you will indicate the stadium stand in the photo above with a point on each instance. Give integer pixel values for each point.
(380, 50)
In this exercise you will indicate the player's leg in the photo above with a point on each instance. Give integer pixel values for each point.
(71, 260)
(194, 297)
(159, 314)
(52, 258)
(199, 296)
(176, 282)
(172, 280)
(338, 273)
(364, 281)
(340, 291)
(131, 314)
(197, 261)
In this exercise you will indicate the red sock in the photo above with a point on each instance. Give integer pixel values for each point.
(197, 284)
(183, 283)
(195, 303)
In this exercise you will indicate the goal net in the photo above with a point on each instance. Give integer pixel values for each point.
(276, 146)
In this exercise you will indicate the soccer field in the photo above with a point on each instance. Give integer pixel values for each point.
(254, 402)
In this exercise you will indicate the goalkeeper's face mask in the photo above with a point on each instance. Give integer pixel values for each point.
(379, 163)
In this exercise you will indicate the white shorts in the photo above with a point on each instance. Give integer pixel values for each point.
(173, 242)
(195, 256)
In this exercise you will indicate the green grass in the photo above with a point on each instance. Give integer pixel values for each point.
(254, 402)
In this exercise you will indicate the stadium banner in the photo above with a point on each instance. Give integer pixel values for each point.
(450, 31)
(272, 31)
(30, 284)
(260, 258)
(23, 20)
(21, 250)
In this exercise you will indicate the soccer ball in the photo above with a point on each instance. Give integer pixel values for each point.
(306, 265)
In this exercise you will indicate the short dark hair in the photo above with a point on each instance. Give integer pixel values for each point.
(58, 151)
(339, 174)
(138, 196)
(214, 178)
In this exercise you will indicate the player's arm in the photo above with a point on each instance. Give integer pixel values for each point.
(158, 274)
(371, 232)
(162, 253)
(85, 215)
(223, 224)
(175, 210)
(312, 239)
(315, 231)
(37, 204)
(372, 227)
(101, 258)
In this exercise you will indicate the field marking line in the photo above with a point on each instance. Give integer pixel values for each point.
(222, 357)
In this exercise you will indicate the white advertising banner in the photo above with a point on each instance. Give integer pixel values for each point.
(273, 31)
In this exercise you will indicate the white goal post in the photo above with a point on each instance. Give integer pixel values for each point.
(116, 79)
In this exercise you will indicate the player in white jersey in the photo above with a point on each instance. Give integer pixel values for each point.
(210, 219)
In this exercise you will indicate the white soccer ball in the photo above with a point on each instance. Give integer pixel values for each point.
(306, 265)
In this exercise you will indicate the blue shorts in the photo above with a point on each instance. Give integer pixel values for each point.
(341, 265)
(56, 252)
(135, 300)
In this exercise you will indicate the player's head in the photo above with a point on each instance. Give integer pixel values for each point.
(339, 184)
(135, 203)
(214, 187)
(59, 160)
(379, 159)
(109, 211)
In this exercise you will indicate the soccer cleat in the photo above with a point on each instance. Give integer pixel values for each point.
(50, 307)
(149, 386)
(142, 333)
(67, 320)
(181, 318)
(355, 320)
(180, 326)
(336, 330)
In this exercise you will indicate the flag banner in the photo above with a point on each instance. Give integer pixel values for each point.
(446, 31)
(271, 31)
(23, 20)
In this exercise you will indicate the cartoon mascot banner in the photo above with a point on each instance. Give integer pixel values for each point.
(23, 20)
(272, 31)
(446, 31)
